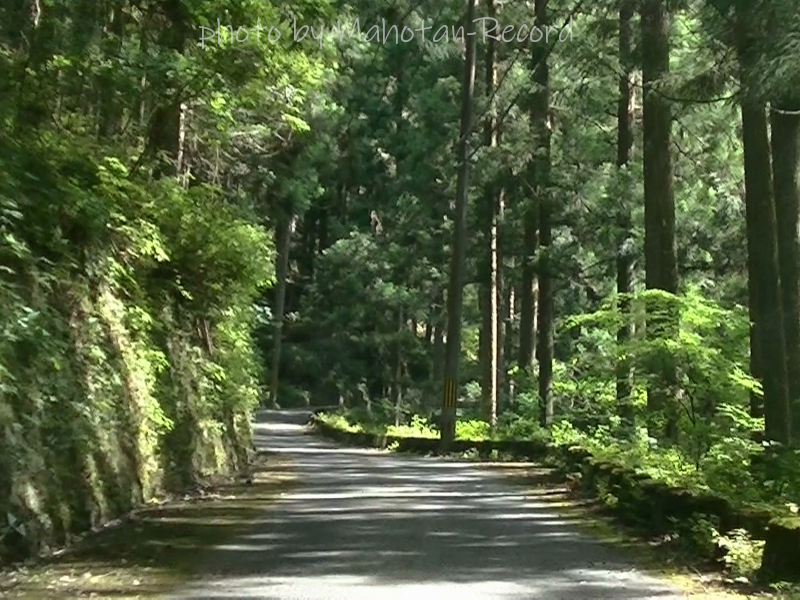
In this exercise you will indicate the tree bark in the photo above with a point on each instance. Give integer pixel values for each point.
(455, 292)
(660, 259)
(625, 255)
(509, 310)
(490, 292)
(762, 234)
(283, 243)
(756, 400)
(167, 124)
(540, 120)
(498, 354)
(529, 289)
(785, 127)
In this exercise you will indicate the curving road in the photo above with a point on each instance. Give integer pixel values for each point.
(371, 525)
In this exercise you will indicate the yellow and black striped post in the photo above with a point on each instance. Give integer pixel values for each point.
(450, 393)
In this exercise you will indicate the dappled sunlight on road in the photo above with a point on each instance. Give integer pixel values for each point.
(370, 524)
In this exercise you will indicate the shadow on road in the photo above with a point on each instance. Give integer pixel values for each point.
(367, 524)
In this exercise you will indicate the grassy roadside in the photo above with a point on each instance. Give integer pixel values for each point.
(157, 548)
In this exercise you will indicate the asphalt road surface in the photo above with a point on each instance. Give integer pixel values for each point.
(364, 524)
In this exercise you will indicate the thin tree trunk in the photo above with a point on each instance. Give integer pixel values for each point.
(397, 391)
(785, 126)
(625, 255)
(508, 337)
(756, 400)
(485, 336)
(490, 347)
(495, 349)
(455, 292)
(660, 258)
(284, 236)
(529, 292)
(540, 120)
(498, 355)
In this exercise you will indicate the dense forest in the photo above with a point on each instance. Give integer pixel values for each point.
(552, 219)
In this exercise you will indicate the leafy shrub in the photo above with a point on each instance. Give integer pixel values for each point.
(696, 535)
(742, 553)
(418, 427)
(340, 422)
(511, 426)
(473, 430)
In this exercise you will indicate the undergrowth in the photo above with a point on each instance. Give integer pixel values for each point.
(126, 358)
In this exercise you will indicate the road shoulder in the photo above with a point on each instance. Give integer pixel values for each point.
(156, 548)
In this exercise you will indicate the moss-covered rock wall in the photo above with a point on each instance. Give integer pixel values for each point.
(126, 364)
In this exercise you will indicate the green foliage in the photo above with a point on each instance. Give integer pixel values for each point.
(132, 297)
(127, 371)
(742, 553)
(511, 426)
(418, 427)
(339, 421)
(126, 358)
(473, 429)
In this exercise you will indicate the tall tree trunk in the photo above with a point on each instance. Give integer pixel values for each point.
(495, 349)
(167, 125)
(540, 119)
(762, 233)
(659, 205)
(455, 292)
(498, 354)
(785, 126)
(490, 292)
(625, 254)
(283, 243)
(763, 271)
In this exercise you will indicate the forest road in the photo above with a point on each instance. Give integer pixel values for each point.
(364, 524)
